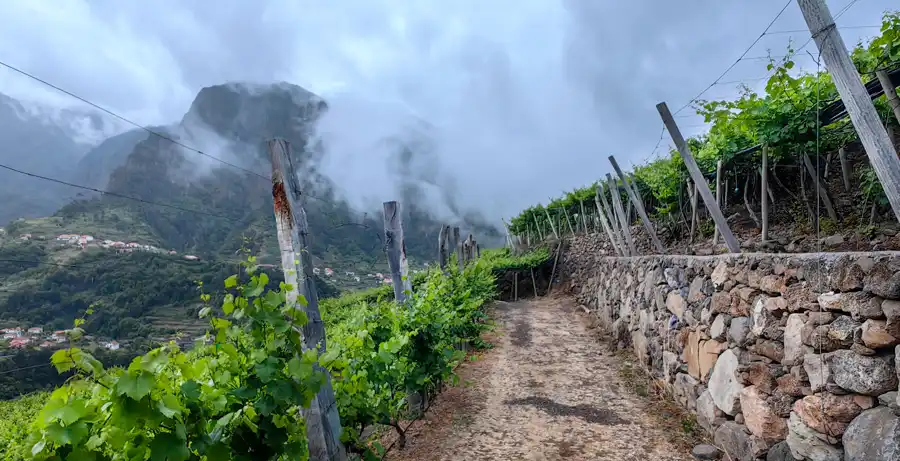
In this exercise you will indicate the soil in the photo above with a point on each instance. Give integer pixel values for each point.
(545, 391)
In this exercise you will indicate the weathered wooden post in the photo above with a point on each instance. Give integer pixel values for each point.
(617, 205)
(613, 220)
(442, 246)
(648, 226)
(457, 245)
(718, 197)
(845, 169)
(693, 212)
(822, 192)
(697, 176)
(323, 424)
(605, 224)
(396, 251)
(550, 220)
(763, 193)
(568, 221)
(584, 219)
(889, 92)
(874, 137)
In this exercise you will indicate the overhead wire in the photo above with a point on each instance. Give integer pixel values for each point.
(127, 120)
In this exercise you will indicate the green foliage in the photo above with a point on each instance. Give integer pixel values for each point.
(13, 428)
(501, 259)
(236, 395)
(785, 117)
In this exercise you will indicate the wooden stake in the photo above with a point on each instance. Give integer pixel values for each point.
(889, 92)
(648, 225)
(568, 221)
(442, 246)
(617, 205)
(534, 283)
(694, 207)
(603, 222)
(584, 219)
(845, 168)
(611, 218)
(874, 137)
(537, 226)
(694, 170)
(763, 193)
(822, 192)
(323, 424)
(552, 226)
(396, 251)
(718, 197)
(516, 286)
(457, 247)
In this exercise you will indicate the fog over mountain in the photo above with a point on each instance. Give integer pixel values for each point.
(507, 103)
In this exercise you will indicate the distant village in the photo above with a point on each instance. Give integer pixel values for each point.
(88, 241)
(22, 338)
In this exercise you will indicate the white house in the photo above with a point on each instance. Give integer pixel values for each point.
(35, 330)
(191, 257)
(111, 345)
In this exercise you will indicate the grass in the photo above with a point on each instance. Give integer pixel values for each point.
(679, 424)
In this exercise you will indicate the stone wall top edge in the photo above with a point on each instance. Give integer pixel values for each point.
(732, 256)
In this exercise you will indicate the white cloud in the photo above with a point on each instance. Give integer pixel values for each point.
(527, 97)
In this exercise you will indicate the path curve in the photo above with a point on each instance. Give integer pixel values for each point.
(544, 392)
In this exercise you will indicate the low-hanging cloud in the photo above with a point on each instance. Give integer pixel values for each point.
(514, 100)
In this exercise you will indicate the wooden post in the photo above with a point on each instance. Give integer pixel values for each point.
(568, 221)
(550, 220)
(889, 92)
(537, 226)
(822, 192)
(323, 424)
(637, 191)
(648, 226)
(613, 221)
(442, 246)
(694, 207)
(584, 219)
(845, 168)
(694, 170)
(456, 247)
(872, 133)
(396, 251)
(718, 197)
(763, 193)
(603, 222)
(617, 205)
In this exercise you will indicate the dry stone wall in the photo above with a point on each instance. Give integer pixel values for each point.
(781, 357)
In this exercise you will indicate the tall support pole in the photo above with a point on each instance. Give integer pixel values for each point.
(396, 251)
(443, 256)
(323, 424)
(601, 213)
(763, 193)
(457, 247)
(623, 223)
(872, 133)
(694, 207)
(568, 221)
(648, 226)
(889, 92)
(584, 219)
(820, 188)
(613, 221)
(550, 220)
(698, 178)
(718, 197)
(845, 168)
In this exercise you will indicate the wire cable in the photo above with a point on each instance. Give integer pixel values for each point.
(128, 121)
(112, 194)
(764, 32)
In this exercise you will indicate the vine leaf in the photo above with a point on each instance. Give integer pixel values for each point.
(135, 385)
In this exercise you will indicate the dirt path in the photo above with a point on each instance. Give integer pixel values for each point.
(544, 392)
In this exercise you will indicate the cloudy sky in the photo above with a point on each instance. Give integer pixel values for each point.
(528, 97)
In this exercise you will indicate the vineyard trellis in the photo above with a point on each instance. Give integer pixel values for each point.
(793, 115)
